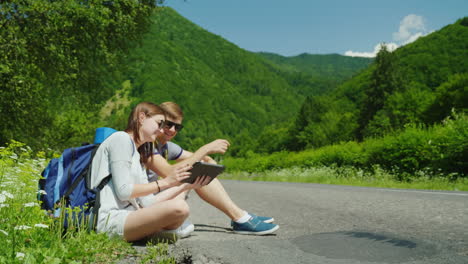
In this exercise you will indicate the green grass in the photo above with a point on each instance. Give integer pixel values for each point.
(28, 235)
(377, 177)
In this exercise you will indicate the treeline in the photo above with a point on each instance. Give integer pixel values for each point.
(58, 63)
(418, 84)
(417, 151)
(323, 72)
(324, 65)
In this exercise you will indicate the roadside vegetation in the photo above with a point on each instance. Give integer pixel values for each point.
(417, 157)
(376, 177)
(28, 235)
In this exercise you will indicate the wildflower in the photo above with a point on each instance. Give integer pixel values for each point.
(20, 255)
(42, 192)
(4, 205)
(7, 183)
(41, 226)
(4, 232)
(22, 227)
(14, 156)
(7, 194)
(31, 204)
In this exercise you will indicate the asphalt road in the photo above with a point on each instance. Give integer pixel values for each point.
(332, 224)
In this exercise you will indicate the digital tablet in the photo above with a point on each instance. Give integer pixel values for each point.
(200, 169)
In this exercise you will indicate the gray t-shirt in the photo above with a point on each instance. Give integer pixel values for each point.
(169, 151)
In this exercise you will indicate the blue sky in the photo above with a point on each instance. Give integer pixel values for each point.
(351, 27)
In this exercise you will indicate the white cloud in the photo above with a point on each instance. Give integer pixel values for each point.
(359, 54)
(411, 28)
(390, 47)
(412, 38)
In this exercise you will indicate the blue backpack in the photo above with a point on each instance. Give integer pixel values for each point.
(65, 183)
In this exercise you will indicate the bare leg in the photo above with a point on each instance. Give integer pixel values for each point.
(147, 221)
(215, 195)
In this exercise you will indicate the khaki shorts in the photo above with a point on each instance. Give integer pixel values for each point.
(113, 221)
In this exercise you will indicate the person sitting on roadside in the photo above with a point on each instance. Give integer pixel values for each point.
(128, 207)
(214, 193)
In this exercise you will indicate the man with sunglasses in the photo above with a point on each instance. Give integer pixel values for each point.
(213, 193)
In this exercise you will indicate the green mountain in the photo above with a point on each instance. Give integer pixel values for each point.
(225, 91)
(326, 66)
(323, 72)
(428, 74)
(419, 84)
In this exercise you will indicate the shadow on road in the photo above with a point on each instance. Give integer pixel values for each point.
(219, 229)
(211, 228)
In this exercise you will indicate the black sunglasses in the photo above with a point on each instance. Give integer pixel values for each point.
(169, 124)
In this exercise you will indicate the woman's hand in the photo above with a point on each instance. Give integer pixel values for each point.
(198, 183)
(179, 174)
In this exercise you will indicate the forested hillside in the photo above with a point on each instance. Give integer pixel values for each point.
(418, 84)
(324, 72)
(325, 66)
(225, 91)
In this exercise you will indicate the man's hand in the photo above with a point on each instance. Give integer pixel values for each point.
(217, 146)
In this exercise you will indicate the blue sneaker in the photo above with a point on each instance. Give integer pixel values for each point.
(254, 227)
(265, 219)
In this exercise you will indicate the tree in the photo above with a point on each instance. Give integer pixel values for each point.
(451, 94)
(54, 54)
(385, 80)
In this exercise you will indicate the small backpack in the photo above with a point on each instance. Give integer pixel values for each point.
(65, 183)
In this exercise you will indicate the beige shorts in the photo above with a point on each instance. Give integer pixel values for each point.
(113, 221)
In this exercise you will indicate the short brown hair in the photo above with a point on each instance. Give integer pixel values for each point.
(172, 110)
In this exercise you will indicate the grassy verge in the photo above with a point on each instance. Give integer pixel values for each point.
(376, 177)
(29, 236)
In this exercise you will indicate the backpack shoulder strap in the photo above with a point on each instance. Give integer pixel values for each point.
(59, 179)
